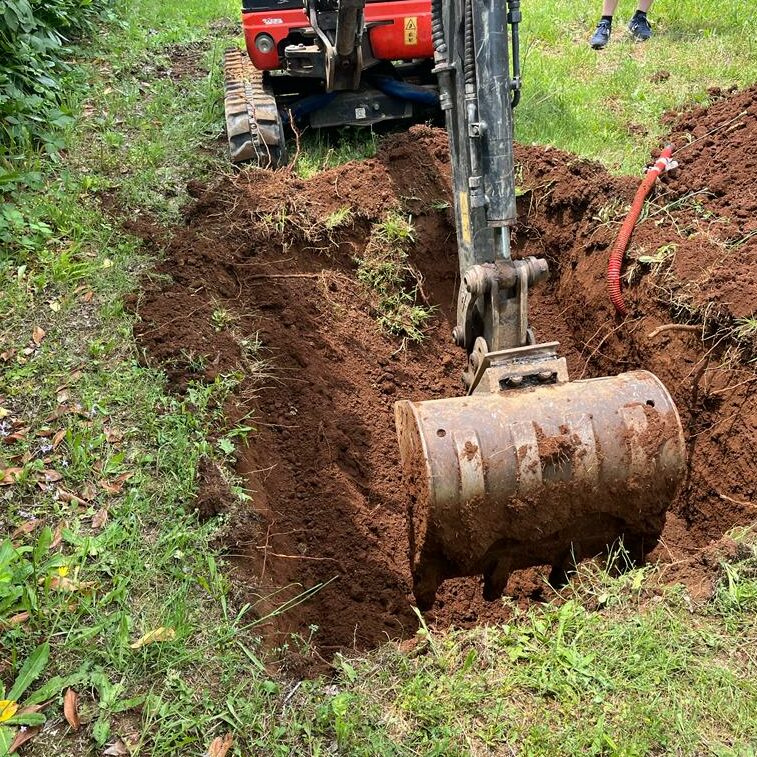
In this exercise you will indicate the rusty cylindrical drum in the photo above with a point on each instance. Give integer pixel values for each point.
(536, 476)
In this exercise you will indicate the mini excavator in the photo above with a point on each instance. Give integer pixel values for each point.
(528, 467)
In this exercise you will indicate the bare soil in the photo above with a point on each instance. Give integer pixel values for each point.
(184, 61)
(327, 502)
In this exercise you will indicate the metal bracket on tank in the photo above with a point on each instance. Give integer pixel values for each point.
(519, 368)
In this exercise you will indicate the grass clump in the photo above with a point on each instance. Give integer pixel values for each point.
(339, 218)
(746, 328)
(394, 283)
(327, 149)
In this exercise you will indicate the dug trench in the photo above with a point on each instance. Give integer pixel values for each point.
(261, 282)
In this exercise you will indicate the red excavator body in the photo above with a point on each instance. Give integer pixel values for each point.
(297, 71)
(397, 30)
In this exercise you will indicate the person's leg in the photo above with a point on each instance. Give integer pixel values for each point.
(602, 33)
(639, 25)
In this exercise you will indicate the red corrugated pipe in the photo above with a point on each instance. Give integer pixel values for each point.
(663, 163)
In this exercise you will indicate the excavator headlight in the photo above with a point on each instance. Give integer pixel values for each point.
(264, 43)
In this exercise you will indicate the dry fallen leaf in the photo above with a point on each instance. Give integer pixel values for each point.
(54, 305)
(113, 435)
(4, 413)
(58, 438)
(87, 296)
(159, 634)
(71, 708)
(16, 436)
(109, 487)
(16, 620)
(25, 528)
(99, 519)
(219, 746)
(24, 735)
(117, 749)
(66, 496)
(62, 396)
(51, 476)
(38, 334)
(33, 708)
(58, 534)
(62, 583)
(116, 485)
(89, 492)
(75, 409)
(8, 476)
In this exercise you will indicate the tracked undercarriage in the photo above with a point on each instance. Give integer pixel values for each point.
(253, 123)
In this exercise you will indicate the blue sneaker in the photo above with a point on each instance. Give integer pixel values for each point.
(601, 35)
(640, 28)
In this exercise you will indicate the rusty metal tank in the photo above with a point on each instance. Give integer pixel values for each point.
(534, 476)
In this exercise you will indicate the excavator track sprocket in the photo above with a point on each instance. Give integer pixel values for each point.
(253, 123)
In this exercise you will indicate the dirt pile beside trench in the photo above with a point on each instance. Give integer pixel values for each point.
(717, 179)
(264, 268)
(691, 260)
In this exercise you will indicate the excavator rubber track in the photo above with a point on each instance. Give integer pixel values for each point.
(253, 124)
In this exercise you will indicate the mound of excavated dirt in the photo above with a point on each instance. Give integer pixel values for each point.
(260, 254)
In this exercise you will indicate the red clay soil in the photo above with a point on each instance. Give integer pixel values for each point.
(328, 506)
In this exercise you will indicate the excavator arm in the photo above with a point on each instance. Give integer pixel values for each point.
(339, 26)
(527, 468)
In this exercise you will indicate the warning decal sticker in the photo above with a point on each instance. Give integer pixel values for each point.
(411, 30)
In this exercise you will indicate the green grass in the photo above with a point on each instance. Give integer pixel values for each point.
(121, 454)
(562, 681)
(104, 459)
(321, 150)
(606, 104)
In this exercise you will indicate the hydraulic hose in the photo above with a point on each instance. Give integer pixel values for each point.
(514, 18)
(404, 90)
(307, 105)
(437, 30)
(469, 57)
(663, 163)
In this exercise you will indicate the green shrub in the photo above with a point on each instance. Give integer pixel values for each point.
(35, 36)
